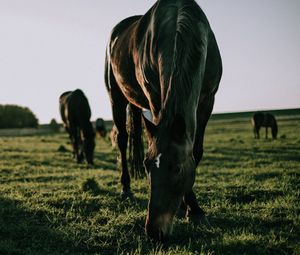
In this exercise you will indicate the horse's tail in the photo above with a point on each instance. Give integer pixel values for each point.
(136, 145)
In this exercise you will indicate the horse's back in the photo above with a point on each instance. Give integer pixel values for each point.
(260, 119)
(75, 108)
(143, 52)
(270, 120)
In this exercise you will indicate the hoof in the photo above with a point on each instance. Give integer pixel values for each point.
(90, 166)
(198, 219)
(127, 195)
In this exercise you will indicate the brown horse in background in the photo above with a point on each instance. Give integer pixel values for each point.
(266, 120)
(167, 64)
(76, 113)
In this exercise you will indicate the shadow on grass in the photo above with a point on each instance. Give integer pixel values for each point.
(106, 160)
(24, 232)
(236, 157)
(259, 231)
(39, 179)
(242, 195)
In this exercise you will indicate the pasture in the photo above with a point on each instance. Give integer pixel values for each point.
(250, 190)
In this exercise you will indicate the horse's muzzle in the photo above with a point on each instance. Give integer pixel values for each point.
(156, 234)
(160, 230)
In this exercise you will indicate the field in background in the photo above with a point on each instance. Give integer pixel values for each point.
(46, 128)
(279, 114)
(249, 188)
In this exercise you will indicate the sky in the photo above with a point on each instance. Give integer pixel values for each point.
(50, 46)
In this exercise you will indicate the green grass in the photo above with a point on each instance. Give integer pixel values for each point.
(249, 188)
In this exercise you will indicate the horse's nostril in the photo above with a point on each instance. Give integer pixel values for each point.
(156, 234)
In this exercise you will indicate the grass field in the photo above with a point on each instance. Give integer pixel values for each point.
(249, 188)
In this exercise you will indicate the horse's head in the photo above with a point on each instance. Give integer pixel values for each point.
(274, 132)
(88, 147)
(171, 168)
(274, 129)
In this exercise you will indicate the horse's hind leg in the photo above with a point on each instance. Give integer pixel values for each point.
(266, 132)
(119, 104)
(75, 141)
(119, 116)
(257, 132)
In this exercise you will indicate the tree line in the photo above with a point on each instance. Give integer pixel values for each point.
(14, 116)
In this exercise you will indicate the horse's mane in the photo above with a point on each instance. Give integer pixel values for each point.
(188, 54)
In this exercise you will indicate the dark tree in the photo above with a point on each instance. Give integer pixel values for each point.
(14, 116)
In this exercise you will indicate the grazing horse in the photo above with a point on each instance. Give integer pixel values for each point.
(266, 120)
(167, 64)
(100, 127)
(76, 113)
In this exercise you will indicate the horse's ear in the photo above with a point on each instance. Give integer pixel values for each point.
(178, 128)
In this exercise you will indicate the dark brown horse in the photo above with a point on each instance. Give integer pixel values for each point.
(266, 120)
(100, 127)
(76, 113)
(167, 64)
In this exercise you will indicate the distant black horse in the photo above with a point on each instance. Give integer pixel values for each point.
(101, 127)
(76, 113)
(266, 120)
(167, 64)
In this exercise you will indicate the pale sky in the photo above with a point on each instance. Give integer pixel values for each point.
(51, 46)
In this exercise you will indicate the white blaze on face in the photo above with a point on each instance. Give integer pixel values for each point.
(157, 160)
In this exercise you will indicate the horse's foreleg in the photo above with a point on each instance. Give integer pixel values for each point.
(119, 104)
(266, 132)
(194, 212)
